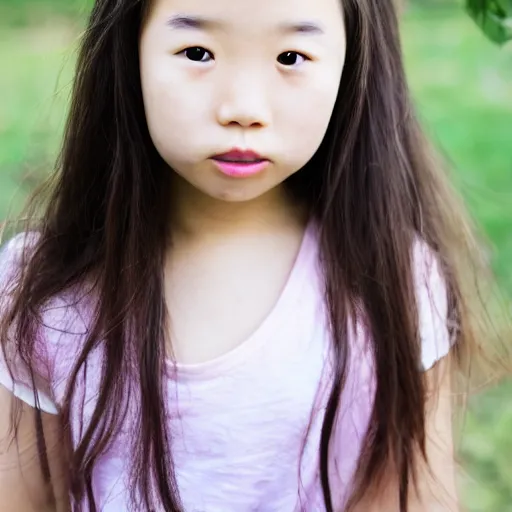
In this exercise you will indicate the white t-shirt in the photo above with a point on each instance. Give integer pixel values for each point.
(246, 426)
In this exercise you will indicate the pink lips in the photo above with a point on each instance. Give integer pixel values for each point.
(240, 164)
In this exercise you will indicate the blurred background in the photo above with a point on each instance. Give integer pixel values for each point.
(462, 84)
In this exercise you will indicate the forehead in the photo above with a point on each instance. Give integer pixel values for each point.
(264, 16)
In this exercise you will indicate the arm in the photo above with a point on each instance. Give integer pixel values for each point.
(437, 485)
(22, 486)
(438, 489)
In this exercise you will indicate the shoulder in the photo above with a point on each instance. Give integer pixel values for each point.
(432, 302)
(61, 326)
(65, 310)
(13, 253)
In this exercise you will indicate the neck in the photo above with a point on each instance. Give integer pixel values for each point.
(198, 216)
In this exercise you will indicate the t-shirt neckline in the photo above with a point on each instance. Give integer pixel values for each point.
(267, 328)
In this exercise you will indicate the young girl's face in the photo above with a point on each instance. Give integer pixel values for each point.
(253, 75)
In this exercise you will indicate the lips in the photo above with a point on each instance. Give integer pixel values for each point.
(240, 164)
(239, 156)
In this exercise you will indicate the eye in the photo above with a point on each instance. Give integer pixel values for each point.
(197, 54)
(291, 59)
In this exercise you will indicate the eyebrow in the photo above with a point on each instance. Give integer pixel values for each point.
(302, 27)
(186, 21)
(191, 22)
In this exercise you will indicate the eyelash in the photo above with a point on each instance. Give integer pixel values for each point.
(298, 54)
(200, 48)
(210, 54)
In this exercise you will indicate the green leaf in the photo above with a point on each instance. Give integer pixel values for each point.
(494, 17)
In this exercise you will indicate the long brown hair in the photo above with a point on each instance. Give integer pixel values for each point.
(373, 186)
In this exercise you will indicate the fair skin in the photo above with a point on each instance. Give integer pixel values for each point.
(22, 486)
(234, 240)
(253, 75)
(437, 489)
(260, 76)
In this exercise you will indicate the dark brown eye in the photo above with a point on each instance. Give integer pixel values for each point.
(291, 58)
(198, 54)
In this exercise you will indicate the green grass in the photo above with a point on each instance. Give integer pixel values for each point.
(463, 88)
(462, 85)
(30, 12)
(36, 86)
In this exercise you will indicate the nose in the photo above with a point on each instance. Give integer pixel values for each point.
(244, 102)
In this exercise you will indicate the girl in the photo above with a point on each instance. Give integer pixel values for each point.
(244, 293)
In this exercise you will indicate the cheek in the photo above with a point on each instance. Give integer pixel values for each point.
(308, 112)
(164, 97)
(169, 103)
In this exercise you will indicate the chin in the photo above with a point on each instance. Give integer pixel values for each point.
(243, 194)
(239, 191)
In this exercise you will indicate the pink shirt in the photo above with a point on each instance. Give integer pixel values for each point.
(245, 426)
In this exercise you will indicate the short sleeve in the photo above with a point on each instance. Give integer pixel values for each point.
(14, 374)
(432, 300)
